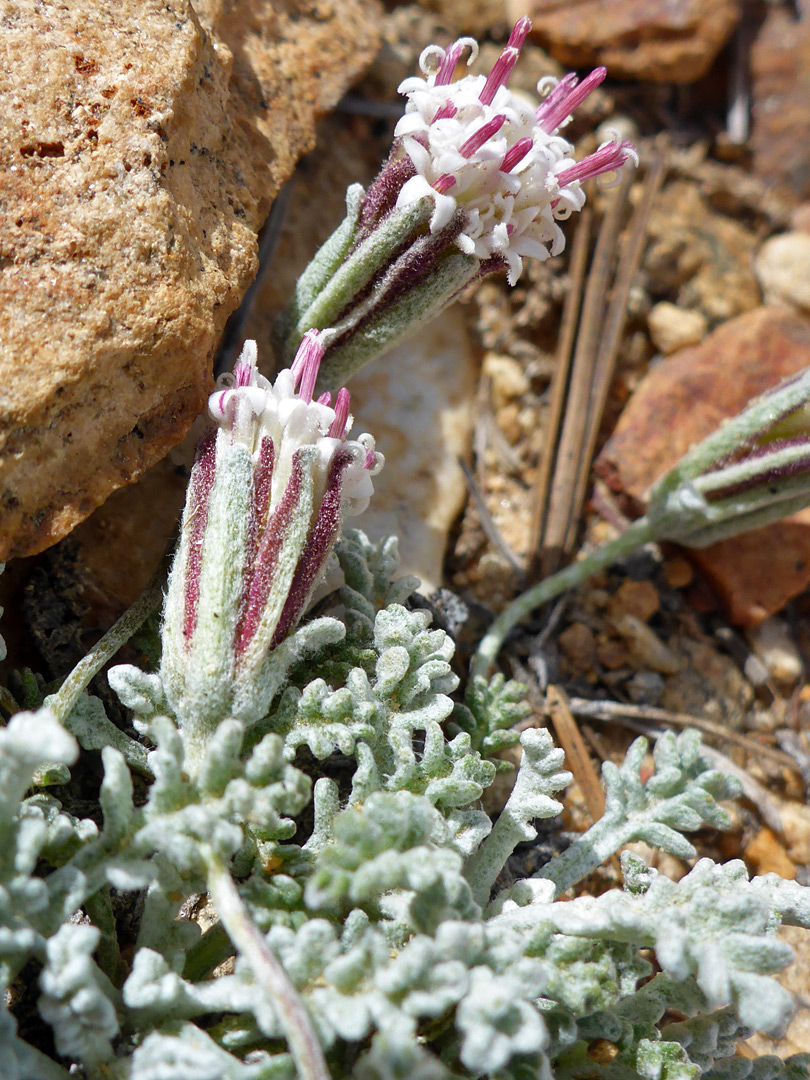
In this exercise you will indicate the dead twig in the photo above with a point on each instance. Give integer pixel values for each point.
(577, 757)
(569, 451)
(614, 710)
(559, 383)
(487, 521)
(580, 387)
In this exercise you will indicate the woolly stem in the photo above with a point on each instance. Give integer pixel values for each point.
(64, 700)
(634, 537)
(268, 972)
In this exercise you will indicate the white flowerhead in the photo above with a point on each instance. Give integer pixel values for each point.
(477, 148)
(275, 420)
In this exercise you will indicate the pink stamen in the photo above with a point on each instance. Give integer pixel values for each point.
(515, 154)
(446, 112)
(325, 399)
(520, 31)
(565, 98)
(449, 63)
(499, 74)
(444, 183)
(484, 134)
(554, 96)
(370, 460)
(338, 427)
(607, 158)
(242, 373)
(306, 364)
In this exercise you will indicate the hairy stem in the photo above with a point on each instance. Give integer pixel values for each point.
(588, 851)
(63, 701)
(268, 972)
(638, 534)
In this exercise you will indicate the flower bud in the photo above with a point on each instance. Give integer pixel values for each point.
(270, 486)
(753, 470)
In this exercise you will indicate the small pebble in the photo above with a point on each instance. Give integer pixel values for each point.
(772, 643)
(645, 688)
(611, 653)
(639, 598)
(672, 327)
(766, 855)
(678, 573)
(646, 647)
(800, 218)
(783, 269)
(507, 377)
(578, 645)
(509, 424)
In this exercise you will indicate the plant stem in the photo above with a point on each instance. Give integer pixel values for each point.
(591, 849)
(63, 701)
(634, 537)
(99, 910)
(268, 972)
(211, 949)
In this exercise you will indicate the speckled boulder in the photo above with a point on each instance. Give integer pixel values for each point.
(141, 145)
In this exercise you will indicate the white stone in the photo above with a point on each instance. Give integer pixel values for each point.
(672, 327)
(418, 401)
(772, 643)
(783, 269)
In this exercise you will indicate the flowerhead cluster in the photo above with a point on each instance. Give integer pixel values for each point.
(476, 147)
(477, 180)
(269, 489)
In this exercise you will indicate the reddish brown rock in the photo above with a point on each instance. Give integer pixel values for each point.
(141, 144)
(680, 402)
(655, 40)
(780, 69)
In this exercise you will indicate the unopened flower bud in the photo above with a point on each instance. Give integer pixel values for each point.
(753, 470)
(269, 489)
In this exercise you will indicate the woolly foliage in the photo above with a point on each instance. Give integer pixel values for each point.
(373, 887)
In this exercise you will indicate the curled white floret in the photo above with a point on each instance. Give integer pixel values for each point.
(478, 148)
(250, 409)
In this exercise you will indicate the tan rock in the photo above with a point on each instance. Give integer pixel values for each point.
(140, 147)
(795, 979)
(656, 40)
(680, 402)
(678, 573)
(672, 327)
(637, 598)
(507, 378)
(765, 854)
(578, 645)
(479, 18)
(647, 650)
(773, 644)
(800, 218)
(783, 269)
